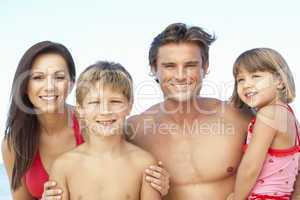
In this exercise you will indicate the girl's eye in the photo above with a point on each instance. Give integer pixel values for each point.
(256, 76)
(240, 80)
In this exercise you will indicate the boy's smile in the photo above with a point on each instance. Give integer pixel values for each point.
(104, 110)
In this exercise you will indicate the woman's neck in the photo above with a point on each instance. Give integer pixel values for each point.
(51, 123)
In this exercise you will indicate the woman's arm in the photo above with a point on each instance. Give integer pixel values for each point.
(21, 193)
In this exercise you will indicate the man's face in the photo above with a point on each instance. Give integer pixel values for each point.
(180, 70)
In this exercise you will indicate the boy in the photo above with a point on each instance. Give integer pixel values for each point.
(105, 166)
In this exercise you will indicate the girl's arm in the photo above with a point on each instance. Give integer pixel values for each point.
(21, 193)
(264, 132)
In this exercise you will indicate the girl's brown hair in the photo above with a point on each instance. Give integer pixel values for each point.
(264, 59)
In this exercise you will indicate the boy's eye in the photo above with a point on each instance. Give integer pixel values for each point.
(93, 102)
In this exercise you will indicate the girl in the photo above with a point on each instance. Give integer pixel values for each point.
(40, 125)
(268, 170)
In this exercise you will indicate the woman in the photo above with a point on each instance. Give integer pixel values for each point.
(40, 125)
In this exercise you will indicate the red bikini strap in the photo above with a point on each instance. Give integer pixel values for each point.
(76, 128)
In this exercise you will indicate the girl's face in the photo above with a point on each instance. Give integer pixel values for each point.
(49, 83)
(257, 89)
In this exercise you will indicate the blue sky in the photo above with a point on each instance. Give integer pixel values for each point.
(122, 31)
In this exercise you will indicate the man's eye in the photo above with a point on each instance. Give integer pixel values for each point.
(256, 76)
(60, 77)
(116, 101)
(191, 65)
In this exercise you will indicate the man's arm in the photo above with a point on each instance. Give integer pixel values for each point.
(58, 174)
(147, 191)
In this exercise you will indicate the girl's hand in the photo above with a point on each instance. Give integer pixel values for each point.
(158, 178)
(51, 192)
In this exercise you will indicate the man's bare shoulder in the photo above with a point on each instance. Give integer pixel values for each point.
(149, 113)
(240, 115)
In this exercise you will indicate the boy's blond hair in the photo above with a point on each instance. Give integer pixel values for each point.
(109, 74)
(265, 59)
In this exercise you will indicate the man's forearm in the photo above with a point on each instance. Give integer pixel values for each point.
(296, 193)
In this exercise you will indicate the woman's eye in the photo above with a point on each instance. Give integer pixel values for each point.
(169, 66)
(37, 77)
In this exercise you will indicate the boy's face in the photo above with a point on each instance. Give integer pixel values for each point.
(104, 110)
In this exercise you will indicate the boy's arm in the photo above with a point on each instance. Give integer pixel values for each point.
(58, 174)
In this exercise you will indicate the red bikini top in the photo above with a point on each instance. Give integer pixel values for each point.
(36, 175)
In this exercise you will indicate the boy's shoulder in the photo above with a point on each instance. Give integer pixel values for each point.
(68, 159)
(139, 157)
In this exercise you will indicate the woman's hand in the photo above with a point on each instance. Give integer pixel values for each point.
(51, 192)
(158, 178)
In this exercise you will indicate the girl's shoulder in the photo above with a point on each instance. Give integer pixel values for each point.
(277, 116)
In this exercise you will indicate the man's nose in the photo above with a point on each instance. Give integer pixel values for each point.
(180, 74)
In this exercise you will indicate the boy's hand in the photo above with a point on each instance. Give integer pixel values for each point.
(158, 178)
(51, 192)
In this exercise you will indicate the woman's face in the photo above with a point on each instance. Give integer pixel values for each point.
(49, 83)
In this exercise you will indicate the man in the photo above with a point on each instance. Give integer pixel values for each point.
(199, 140)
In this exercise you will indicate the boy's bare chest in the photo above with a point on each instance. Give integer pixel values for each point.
(107, 181)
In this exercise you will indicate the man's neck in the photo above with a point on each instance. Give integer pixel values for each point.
(181, 109)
